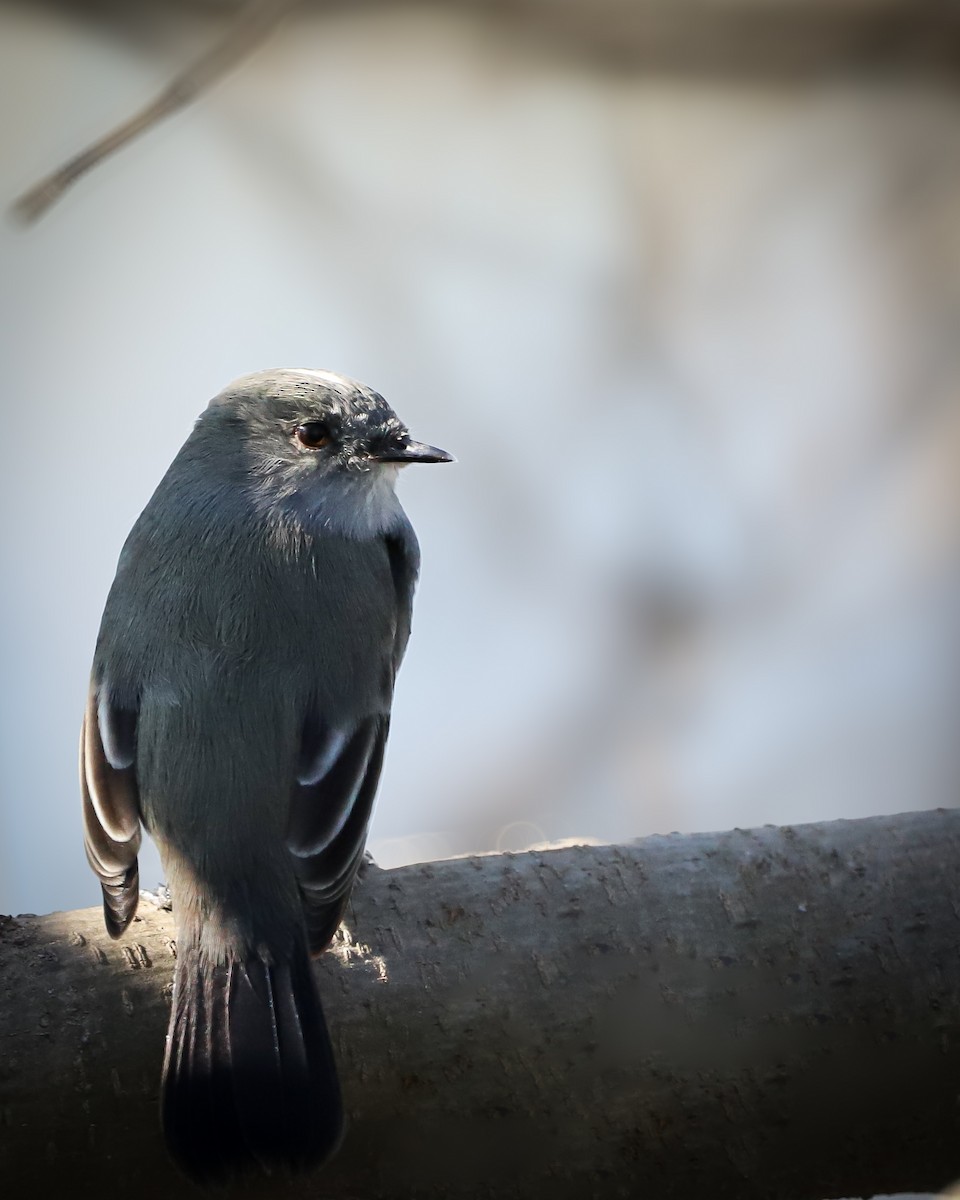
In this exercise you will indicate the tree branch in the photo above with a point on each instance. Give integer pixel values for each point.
(751, 1014)
(730, 37)
(252, 25)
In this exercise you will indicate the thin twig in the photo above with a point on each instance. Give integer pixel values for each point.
(251, 26)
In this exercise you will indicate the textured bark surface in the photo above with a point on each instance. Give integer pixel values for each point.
(772, 1013)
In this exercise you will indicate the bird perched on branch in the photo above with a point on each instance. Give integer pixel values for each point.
(239, 707)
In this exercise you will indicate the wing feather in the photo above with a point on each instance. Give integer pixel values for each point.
(328, 823)
(111, 807)
(339, 771)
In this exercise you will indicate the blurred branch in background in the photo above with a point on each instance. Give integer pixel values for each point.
(747, 36)
(753, 38)
(246, 30)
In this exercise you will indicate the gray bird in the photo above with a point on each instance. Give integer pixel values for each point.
(239, 706)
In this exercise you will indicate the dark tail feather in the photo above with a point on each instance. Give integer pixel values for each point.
(249, 1080)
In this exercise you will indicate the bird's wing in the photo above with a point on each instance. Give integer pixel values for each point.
(338, 775)
(111, 806)
(404, 557)
(329, 814)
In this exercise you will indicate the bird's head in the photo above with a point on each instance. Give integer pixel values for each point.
(319, 443)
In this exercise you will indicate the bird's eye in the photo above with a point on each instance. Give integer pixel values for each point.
(314, 435)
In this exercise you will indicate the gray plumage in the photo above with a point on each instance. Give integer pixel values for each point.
(239, 707)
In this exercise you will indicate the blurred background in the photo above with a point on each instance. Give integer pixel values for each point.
(678, 283)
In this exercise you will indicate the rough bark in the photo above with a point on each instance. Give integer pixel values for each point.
(772, 1013)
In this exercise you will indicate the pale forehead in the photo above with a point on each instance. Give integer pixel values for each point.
(286, 378)
(302, 384)
(307, 390)
(330, 379)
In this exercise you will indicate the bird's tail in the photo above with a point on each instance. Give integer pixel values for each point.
(249, 1079)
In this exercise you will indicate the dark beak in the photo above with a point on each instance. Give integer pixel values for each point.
(413, 452)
